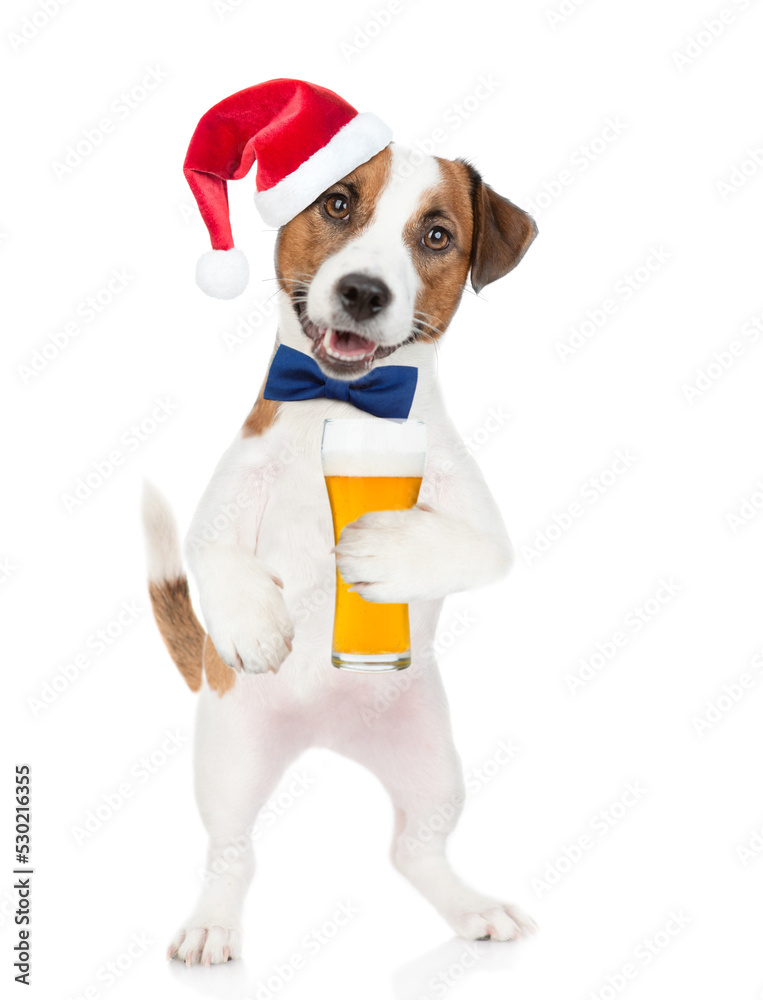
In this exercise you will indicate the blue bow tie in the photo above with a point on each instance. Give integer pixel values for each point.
(384, 392)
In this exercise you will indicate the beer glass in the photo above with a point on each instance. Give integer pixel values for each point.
(370, 464)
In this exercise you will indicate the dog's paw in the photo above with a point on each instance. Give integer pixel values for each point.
(206, 945)
(482, 919)
(246, 616)
(399, 556)
(386, 556)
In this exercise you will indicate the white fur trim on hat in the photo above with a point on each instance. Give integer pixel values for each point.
(361, 138)
(224, 274)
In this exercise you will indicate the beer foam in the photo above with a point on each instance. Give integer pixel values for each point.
(363, 463)
(368, 447)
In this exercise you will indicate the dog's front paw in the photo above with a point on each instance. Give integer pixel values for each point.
(419, 554)
(247, 618)
(386, 557)
(206, 945)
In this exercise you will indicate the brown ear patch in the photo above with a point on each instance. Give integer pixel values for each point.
(220, 677)
(502, 233)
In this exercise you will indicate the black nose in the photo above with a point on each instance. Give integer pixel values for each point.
(363, 296)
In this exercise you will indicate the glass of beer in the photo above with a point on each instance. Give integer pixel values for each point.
(370, 464)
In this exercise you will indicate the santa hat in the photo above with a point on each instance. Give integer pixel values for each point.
(303, 137)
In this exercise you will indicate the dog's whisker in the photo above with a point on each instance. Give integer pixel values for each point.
(290, 281)
(299, 275)
(424, 328)
(423, 324)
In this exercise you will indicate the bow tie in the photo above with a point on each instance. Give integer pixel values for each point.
(384, 392)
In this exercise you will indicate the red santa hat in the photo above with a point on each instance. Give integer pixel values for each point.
(303, 137)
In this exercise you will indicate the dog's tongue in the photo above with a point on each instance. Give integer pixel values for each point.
(346, 345)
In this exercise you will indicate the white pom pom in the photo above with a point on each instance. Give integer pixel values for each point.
(224, 274)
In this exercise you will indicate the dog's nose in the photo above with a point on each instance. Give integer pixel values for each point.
(363, 296)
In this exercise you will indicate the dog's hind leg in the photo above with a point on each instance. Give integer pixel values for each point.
(239, 759)
(409, 747)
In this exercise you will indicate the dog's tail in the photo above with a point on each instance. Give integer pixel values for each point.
(168, 588)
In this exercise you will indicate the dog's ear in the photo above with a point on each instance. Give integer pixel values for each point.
(502, 233)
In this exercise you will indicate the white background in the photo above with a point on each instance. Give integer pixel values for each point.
(685, 125)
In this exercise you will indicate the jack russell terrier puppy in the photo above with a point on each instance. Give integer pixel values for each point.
(369, 275)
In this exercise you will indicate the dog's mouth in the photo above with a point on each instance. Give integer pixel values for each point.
(347, 347)
(343, 352)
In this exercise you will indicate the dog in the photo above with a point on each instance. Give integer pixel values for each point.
(369, 275)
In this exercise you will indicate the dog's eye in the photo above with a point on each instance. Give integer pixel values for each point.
(437, 238)
(337, 206)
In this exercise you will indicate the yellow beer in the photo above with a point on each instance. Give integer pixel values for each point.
(362, 627)
(367, 468)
